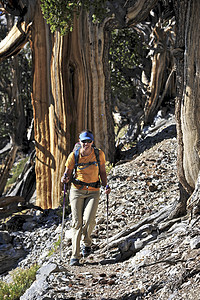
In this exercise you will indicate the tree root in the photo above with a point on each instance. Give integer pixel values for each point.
(132, 240)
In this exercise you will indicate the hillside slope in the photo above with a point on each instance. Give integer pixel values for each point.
(146, 257)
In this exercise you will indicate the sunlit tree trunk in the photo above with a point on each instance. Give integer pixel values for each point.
(68, 96)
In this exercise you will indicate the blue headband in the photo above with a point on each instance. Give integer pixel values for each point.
(86, 136)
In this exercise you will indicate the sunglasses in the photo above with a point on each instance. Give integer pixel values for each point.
(87, 141)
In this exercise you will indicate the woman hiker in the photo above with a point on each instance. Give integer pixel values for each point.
(89, 164)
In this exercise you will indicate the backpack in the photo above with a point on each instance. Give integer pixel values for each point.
(85, 165)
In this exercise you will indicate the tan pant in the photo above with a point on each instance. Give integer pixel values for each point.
(84, 206)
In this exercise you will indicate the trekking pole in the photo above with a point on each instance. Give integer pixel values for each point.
(63, 217)
(107, 219)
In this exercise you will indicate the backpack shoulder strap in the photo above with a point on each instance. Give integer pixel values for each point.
(96, 151)
(76, 154)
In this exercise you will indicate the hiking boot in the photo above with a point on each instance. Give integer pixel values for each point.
(86, 251)
(74, 262)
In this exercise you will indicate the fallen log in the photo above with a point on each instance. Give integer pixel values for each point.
(123, 235)
(10, 205)
(132, 240)
(5, 201)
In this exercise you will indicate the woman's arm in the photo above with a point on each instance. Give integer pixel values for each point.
(103, 176)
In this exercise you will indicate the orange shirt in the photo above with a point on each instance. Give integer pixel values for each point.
(89, 173)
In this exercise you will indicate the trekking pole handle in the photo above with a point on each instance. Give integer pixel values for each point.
(107, 189)
(66, 176)
(65, 179)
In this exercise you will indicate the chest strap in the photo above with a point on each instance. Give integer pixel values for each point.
(82, 166)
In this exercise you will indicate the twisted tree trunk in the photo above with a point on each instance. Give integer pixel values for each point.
(73, 98)
(187, 104)
(162, 70)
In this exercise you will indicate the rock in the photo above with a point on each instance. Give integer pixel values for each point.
(30, 225)
(67, 235)
(9, 257)
(5, 237)
(195, 243)
(40, 285)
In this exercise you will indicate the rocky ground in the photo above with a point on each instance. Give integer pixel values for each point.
(159, 262)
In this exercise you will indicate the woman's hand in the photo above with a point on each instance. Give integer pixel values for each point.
(107, 189)
(65, 178)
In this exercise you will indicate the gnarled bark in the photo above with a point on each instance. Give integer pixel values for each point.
(139, 11)
(19, 34)
(187, 105)
(162, 61)
(15, 40)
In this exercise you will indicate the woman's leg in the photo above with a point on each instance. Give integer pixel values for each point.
(77, 205)
(89, 216)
